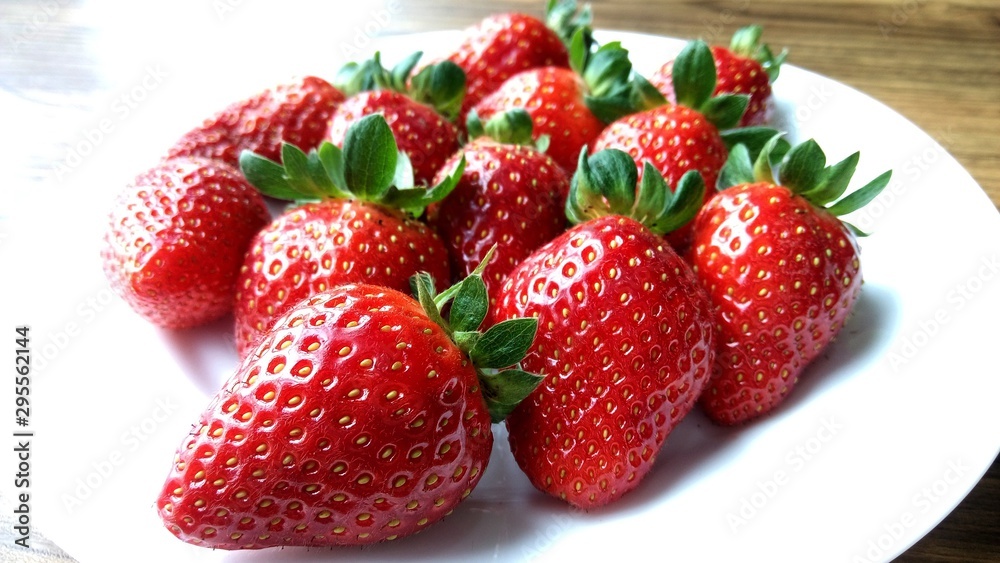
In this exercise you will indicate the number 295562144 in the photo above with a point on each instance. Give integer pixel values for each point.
(22, 376)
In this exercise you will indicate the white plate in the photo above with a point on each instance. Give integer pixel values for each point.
(886, 433)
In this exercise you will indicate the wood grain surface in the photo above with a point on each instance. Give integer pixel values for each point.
(937, 63)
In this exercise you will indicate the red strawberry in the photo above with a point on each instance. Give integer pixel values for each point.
(502, 45)
(176, 238)
(572, 105)
(419, 110)
(357, 231)
(510, 194)
(295, 113)
(746, 66)
(625, 342)
(677, 138)
(357, 420)
(782, 270)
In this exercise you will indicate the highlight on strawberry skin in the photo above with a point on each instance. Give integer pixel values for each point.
(365, 415)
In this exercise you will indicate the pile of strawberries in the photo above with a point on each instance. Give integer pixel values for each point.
(525, 231)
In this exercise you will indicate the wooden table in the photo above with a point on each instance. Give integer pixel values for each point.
(935, 62)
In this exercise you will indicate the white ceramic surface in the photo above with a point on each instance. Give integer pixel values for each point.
(885, 434)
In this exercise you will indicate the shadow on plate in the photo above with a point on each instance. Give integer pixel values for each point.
(697, 444)
(866, 336)
(206, 354)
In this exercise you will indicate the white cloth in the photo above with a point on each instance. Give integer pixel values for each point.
(40, 549)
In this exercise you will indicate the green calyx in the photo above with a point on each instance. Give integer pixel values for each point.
(370, 168)
(746, 42)
(694, 79)
(565, 18)
(496, 352)
(753, 138)
(512, 127)
(440, 85)
(803, 170)
(605, 184)
(613, 88)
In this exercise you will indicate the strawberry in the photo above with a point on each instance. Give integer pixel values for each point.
(746, 66)
(176, 238)
(626, 337)
(782, 269)
(419, 109)
(510, 194)
(572, 105)
(362, 416)
(296, 113)
(677, 138)
(501, 45)
(357, 225)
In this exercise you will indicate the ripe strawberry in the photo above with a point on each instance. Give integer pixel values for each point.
(746, 66)
(295, 113)
(504, 44)
(419, 110)
(176, 237)
(782, 270)
(625, 342)
(572, 105)
(511, 194)
(359, 418)
(677, 138)
(356, 227)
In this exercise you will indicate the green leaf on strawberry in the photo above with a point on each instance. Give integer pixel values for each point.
(755, 138)
(694, 75)
(440, 85)
(511, 127)
(355, 77)
(694, 79)
(834, 181)
(746, 42)
(371, 146)
(613, 89)
(605, 184)
(501, 346)
(369, 168)
(803, 170)
(504, 343)
(566, 18)
(470, 304)
(504, 390)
